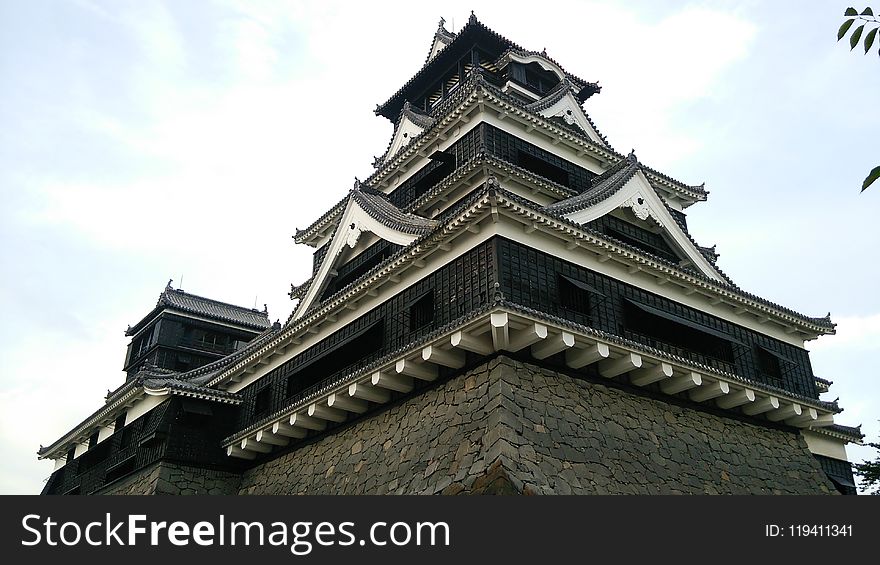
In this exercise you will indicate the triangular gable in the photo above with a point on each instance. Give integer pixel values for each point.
(570, 111)
(442, 38)
(405, 132)
(440, 42)
(637, 195)
(364, 212)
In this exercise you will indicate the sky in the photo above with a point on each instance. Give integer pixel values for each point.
(143, 141)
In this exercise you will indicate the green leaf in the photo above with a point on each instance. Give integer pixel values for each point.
(850, 12)
(869, 39)
(872, 176)
(854, 38)
(868, 11)
(844, 28)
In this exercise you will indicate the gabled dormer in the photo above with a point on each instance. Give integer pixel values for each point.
(442, 38)
(624, 193)
(368, 214)
(561, 104)
(410, 124)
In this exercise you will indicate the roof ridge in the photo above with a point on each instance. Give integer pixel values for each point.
(444, 35)
(601, 187)
(263, 313)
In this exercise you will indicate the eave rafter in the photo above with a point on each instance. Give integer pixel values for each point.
(509, 328)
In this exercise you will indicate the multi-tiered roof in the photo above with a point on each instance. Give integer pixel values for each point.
(499, 219)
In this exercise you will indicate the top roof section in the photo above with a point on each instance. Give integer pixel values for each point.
(177, 299)
(474, 33)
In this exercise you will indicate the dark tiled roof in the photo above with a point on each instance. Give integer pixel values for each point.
(601, 187)
(299, 291)
(473, 27)
(216, 309)
(825, 382)
(708, 252)
(556, 94)
(416, 116)
(201, 306)
(188, 388)
(849, 431)
(378, 207)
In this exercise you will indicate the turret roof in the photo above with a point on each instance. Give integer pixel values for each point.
(177, 299)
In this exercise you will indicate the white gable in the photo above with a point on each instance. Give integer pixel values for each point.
(439, 44)
(638, 196)
(571, 112)
(403, 135)
(354, 222)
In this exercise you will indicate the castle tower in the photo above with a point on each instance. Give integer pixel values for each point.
(507, 304)
(185, 331)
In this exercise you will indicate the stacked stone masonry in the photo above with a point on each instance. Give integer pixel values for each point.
(510, 428)
(174, 479)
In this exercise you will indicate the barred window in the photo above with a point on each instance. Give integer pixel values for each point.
(262, 401)
(573, 296)
(421, 312)
(768, 364)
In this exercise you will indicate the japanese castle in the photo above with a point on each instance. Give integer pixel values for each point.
(507, 304)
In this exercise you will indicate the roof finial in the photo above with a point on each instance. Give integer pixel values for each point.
(544, 51)
(357, 184)
(168, 286)
(442, 23)
(473, 18)
(265, 308)
(632, 156)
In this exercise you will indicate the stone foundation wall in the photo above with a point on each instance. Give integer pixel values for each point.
(172, 478)
(507, 428)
